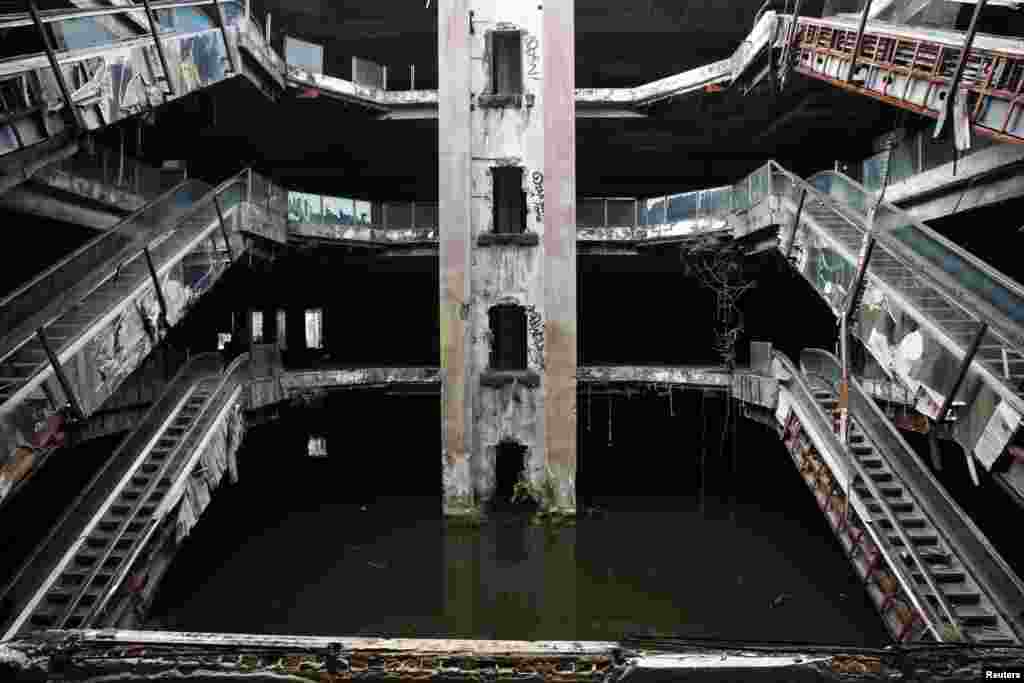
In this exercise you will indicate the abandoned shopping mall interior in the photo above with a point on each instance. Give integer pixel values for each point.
(566, 340)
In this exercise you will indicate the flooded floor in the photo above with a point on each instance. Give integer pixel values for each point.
(304, 546)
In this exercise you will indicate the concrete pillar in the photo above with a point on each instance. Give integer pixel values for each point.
(481, 130)
(560, 245)
(454, 92)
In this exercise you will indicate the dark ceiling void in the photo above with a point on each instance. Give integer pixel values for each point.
(34, 256)
(328, 147)
(994, 233)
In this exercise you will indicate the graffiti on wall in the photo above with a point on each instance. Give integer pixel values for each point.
(532, 58)
(535, 331)
(537, 181)
(123, 81)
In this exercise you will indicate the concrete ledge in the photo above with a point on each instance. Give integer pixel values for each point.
(499, 378)
(492, 101)
(524, 239)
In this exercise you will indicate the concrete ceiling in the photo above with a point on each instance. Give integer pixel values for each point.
(699, 141)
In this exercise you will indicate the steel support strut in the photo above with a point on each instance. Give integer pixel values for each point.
(787, 49)
(223, 227)
(57, 73)
(158, 289)
(947, 402)
(219, 16)
(844, 331)
(58, 369)
(796, 224)
(154, 28)
(947, 105)
(859, 42)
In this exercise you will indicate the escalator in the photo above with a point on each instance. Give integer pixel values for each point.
(914, 68)
(930, 572)
(68, 581)
(921, 293)
(109, 74)
(77, 330)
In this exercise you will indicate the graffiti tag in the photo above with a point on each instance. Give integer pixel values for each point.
(538, 193)
(535, 327)
(532, 59)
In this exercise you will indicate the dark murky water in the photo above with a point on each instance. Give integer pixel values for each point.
(290, 549)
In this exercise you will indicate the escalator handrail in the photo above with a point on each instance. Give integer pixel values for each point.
(187, 377)
(99, 239)
(1015, 288)
(889, 453)
(15, 339)
(853, 467)
(942, 335)
(888, 436)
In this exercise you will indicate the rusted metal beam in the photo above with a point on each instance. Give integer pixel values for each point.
(859, 42)
(154, 28)
(947, 106)
(51, 56)
(65, 383)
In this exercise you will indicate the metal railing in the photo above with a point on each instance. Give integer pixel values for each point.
(53, 292)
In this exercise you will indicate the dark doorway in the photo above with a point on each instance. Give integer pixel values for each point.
(508, 330)
(510, 463)
(509, 200)
(507, 63)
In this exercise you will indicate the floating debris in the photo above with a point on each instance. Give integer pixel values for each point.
(780, 599)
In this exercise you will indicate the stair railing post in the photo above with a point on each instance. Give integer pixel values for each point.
(850, 307)
(223, 227)
(154, 28)
(51, 56)
(58, 369)
(161, 301)
(791, 240)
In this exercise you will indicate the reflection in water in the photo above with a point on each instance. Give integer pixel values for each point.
(304, 546)
(397, 569)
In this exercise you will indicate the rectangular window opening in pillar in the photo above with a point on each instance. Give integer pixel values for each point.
(508, 331)
(507, 63)
(509, 201)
